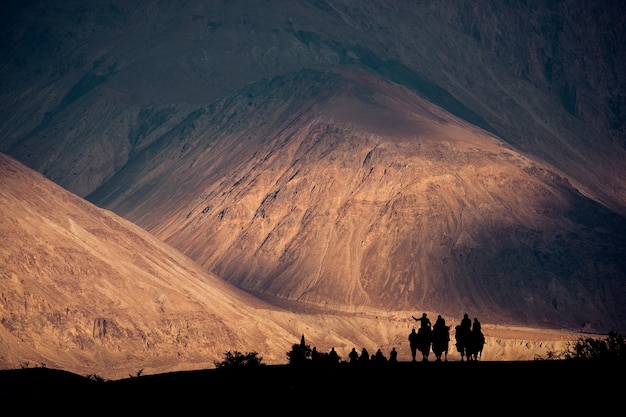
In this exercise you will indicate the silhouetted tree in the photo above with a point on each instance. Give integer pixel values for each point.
(96, 377)
(239, 360)
(612, 348)
(299, 353)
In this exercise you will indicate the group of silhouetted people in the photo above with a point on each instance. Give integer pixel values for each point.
(469, 339)
(422, 339)
(469, 342)
(355, 357)
(331, 358)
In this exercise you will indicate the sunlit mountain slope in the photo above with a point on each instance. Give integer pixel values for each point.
(345, 190)
(85, 291)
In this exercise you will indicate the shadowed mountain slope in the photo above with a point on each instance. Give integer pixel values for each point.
(344, 190)
(89, 84)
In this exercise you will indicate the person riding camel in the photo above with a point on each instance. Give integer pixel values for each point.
(440, 323)
(476, 328)
(466, 323)
(424, 321)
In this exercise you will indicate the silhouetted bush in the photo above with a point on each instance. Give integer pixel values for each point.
(302, 354)
(95, 377)
(613, 348)
(239, 360)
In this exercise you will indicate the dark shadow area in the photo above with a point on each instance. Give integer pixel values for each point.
(497, 387)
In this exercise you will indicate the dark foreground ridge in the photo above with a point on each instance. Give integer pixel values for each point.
(535, 386)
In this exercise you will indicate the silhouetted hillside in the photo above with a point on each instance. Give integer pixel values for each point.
(486, 388)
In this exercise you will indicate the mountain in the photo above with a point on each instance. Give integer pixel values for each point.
(545, 76)
(345, 157)
(343, 190)
(87, 291)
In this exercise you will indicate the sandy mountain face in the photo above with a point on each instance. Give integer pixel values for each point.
(369, 156)
(86, 291)
(392, 204)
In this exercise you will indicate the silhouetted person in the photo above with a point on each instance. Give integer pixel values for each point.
(466, 323)
(477, 341)
(379, 357)
(424, 335)
(476, 326)
(469, 342)
(441, 338)
(393, 356)
(353, 356)
(413, 343)
(315, 356)
(440, 323)
(424, 321)
(365, 356)
(459, 342)
(333, 357)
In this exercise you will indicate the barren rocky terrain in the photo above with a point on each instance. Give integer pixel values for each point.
(86, 291)
(312, 198)
(178, 180)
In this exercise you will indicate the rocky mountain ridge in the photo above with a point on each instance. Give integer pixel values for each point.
(544, 76)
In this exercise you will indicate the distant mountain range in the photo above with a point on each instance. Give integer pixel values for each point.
(327, 156)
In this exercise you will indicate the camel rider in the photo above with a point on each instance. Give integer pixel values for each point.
(424, 321)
